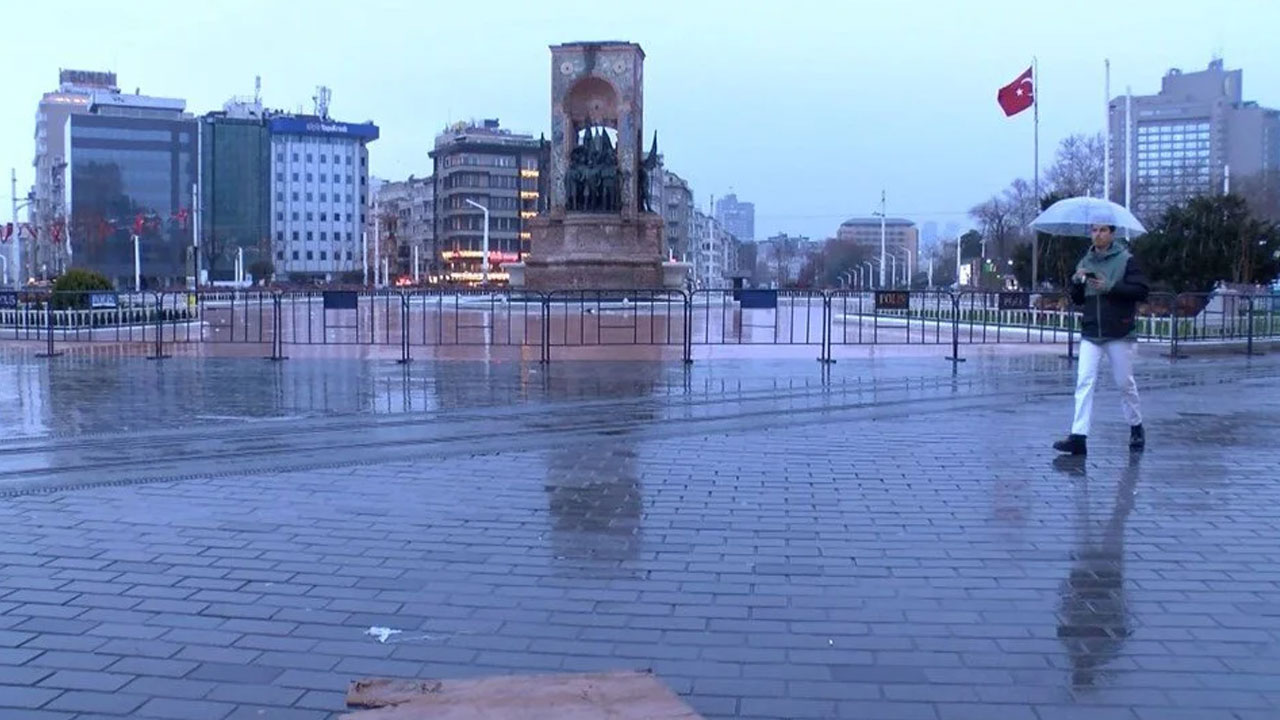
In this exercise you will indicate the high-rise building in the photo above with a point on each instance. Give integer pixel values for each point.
(715, 259)
(48, 211)
(739, 218)
(678, 212)
(929, 233)
(235, 190)
(406, 210)
(901, 239)
(320, 196)
(781, 258)
(1185, 138)
(131, 172)
(503, 172)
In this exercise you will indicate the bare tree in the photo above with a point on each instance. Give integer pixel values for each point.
(1077, 166)
(996, 218)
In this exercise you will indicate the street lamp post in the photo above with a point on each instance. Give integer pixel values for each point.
(911, 261)
(893, 266)
(137, 266)
(881, 214)
(16, 250)
(484, 258)
(871, 272)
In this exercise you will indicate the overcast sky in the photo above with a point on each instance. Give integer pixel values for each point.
(807, 108)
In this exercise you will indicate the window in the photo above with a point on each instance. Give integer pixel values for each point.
(295, 252)
(361, 218)
(309, 177)
(348, 255)
(348, 159)
(280, 197)
(323, 217)
(279, 254)
(348, 240)
(295, 159)
(295, 237)
(310, 255)
(323, 236)
(348, 197)
(295, 177)
(324, 254)
(295, 214)
(337, 217)
(295, 196)
(280, 158)
(323, 159)
(279, 176)
(308, 160)
(308, 197)
(324, 197)
(279, 236)
(309, 239)
(323, 177)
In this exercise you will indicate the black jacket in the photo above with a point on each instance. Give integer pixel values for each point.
(1114, 315)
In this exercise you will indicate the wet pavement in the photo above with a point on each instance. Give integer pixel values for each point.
(215, 537)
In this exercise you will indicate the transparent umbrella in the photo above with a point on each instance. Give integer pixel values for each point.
(1076, 216)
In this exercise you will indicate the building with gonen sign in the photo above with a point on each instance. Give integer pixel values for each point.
(131, 171)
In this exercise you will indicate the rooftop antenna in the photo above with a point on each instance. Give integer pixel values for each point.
(257, 89)
(321, 99)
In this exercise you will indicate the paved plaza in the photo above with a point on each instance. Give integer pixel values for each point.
(882, 539)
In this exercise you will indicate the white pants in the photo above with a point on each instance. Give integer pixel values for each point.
(1120, 353)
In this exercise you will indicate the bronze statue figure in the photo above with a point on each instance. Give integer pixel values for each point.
(647, 168)
(591, 180)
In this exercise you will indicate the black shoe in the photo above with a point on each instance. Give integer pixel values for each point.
(1073, 445)
(1137, 438)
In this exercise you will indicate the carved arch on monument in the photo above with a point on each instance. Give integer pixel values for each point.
(593, 101)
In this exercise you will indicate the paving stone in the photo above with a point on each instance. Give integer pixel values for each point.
(109, 703)
(186, 709)
(19, 697)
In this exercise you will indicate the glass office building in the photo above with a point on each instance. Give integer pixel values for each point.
(235, 196)
(132, 175)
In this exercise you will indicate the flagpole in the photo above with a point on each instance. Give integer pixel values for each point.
(1128, 152)
(1035, 236)
(1106, 144)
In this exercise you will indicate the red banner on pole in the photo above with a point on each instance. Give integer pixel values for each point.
(8, 232)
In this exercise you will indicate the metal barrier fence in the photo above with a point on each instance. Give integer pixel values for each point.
(596, 318)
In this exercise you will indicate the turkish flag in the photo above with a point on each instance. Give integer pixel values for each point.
(1017, 95)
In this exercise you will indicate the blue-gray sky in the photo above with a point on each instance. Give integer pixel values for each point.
(806, 108)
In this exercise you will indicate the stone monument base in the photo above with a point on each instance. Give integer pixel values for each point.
(592, 251)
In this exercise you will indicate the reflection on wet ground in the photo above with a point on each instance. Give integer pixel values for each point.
(879, 539)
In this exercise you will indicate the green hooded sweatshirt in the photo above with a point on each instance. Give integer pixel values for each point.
(1108, 264)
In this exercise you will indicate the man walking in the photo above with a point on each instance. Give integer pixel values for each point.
(1109, 285)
